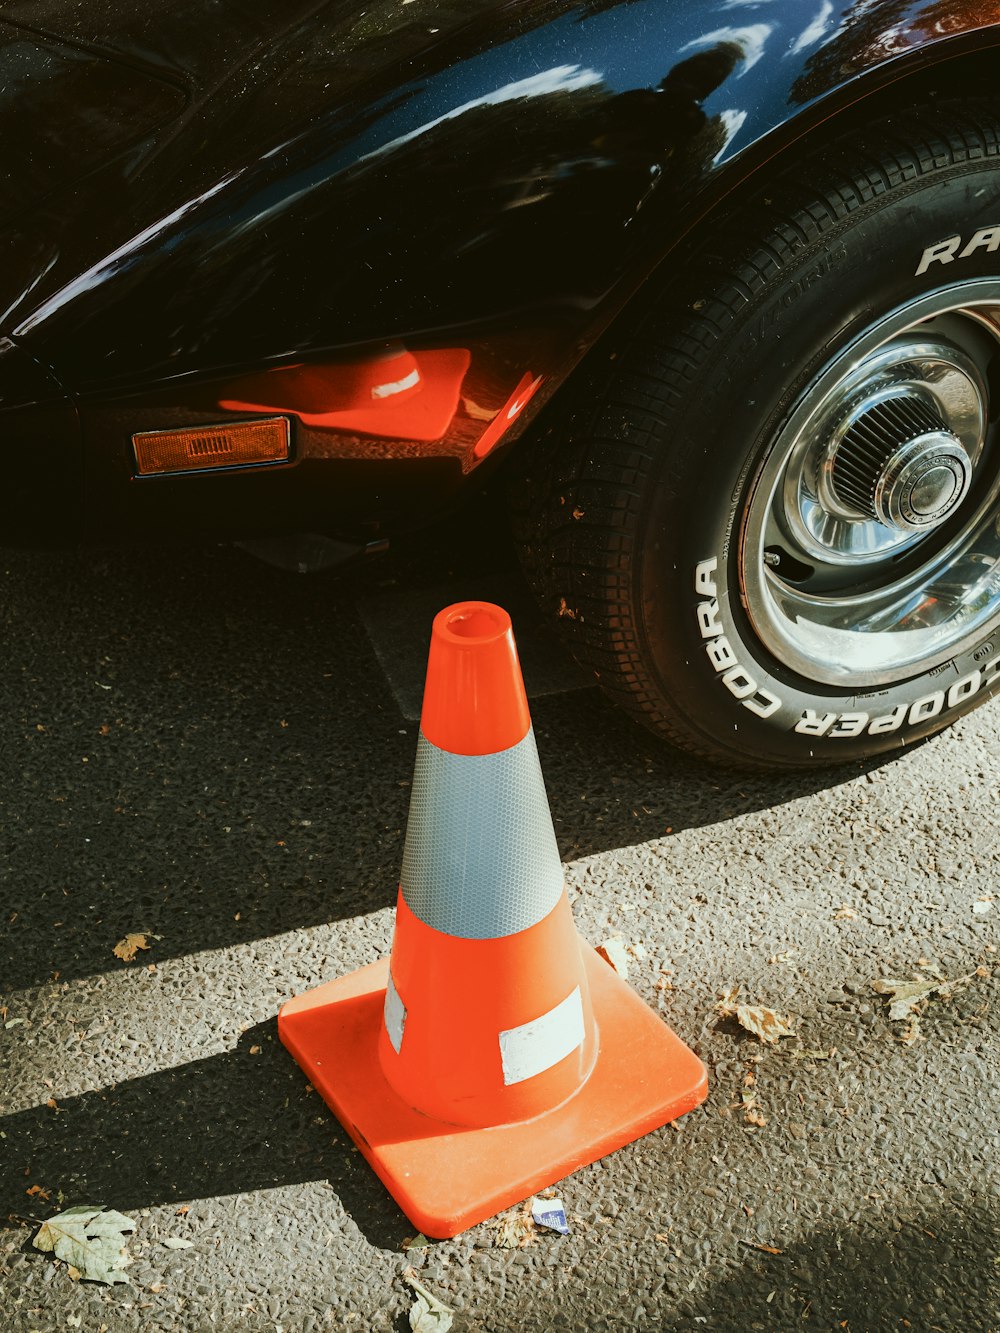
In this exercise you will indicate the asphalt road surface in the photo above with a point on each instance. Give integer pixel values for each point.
(216, 755)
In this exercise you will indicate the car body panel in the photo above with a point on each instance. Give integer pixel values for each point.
(486, 182)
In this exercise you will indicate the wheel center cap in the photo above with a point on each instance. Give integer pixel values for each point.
(934, 490)
(898, 463)
(922, 482)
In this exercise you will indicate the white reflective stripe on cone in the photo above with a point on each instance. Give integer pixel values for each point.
(480, 859)
(536, 1046)
(394, 1014)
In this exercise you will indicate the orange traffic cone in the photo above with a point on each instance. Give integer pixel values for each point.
(495, 1052)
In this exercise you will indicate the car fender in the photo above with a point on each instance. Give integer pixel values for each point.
(525, 168)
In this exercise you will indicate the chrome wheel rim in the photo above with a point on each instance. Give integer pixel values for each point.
(870, 544)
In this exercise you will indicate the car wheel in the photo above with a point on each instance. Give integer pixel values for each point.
(770, 523)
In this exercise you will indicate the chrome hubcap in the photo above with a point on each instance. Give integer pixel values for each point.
(900, 465)
(870, 546)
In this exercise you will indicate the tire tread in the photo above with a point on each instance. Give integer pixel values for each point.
(578, 507)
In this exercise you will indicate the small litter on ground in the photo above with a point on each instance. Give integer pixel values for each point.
(551, 1214)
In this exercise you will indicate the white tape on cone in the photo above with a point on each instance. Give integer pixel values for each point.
(394, 1014)
(536, 1046)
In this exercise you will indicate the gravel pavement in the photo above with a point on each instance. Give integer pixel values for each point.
(217, 755)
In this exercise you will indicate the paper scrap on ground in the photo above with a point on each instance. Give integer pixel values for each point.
(90, 1240)
(550, 1213)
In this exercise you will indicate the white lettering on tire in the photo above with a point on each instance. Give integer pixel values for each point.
(964, 689)
(922, 710)
(943, 252)
(743, 686)
(708, 620)
(738, 683)
(889, 722)
(811, 724)
(737, 680)
(850, 724)
(704, 583)
(720, 654)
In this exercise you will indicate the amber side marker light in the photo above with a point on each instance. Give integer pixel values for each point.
(197, 449)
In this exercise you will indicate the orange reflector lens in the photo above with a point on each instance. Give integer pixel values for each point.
(233, 444)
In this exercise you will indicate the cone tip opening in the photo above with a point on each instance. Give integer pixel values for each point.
(474, 699)
(471, 624)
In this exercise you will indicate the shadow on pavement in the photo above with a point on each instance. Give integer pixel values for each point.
(190, 735)
(239, 1122)
(923, 1266)
(227, 1124)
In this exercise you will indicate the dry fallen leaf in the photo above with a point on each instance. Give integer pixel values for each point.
(90, 1240)
(763, 1023)
(752, 1114)
(766, 1249)
(907, 996)
(126, 949)
(615, 952)
(515, 1229)
(910, 1035)
(428, 1314)
(932, 968)
(417, 1242)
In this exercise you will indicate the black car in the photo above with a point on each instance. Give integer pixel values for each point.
(716, 284)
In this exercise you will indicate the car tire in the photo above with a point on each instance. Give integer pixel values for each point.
(768, 523)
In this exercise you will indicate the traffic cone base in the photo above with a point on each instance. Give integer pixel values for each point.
(447, 1178)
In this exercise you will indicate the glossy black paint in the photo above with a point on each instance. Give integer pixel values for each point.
(315, 183)
(42, 457)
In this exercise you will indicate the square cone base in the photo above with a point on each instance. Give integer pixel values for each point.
(446, 1178)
